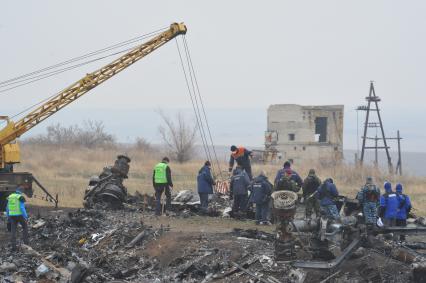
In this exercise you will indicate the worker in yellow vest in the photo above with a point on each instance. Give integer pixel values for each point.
(162, 182)
(16, 213)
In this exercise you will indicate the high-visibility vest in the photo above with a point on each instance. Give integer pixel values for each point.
(14, 204)
(160, 176)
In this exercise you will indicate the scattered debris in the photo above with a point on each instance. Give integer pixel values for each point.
(96, 245)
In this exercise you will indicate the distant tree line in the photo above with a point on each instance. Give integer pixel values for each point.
(90, 135)
(177, 134)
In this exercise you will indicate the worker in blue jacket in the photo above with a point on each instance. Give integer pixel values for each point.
(205, 185)
(261, 190)
(388, 205)
(326, 194)
(17, 214)
(239, 191)
(404, 207)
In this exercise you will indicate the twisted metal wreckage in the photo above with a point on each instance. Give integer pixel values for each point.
(325, 235)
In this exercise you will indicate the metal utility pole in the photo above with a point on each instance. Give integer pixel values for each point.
(373, 99)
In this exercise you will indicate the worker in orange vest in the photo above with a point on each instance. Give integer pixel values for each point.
(242, 156)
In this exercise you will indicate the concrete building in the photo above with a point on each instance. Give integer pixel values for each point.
(305, 133)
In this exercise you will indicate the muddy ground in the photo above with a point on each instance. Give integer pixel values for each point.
(178, 248)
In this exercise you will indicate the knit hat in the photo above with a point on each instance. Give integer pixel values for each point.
(398, 188)
(388, 187)
(233, 148)
(369, 180)
(311, 172)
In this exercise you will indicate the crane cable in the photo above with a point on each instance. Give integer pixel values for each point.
(203, 108)
(197, 117)
(197, 104)
(32, 78)
(42, 72)
(53, 73)
(194, 92)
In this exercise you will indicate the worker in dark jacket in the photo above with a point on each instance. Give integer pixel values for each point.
(239, 191)
(326, 193)
(17, 214)
(388, 205)
(404, 207)
(205, 185)
(261, 190)
(162, 182)
(287, 179)
(310, 185)
(242, 156)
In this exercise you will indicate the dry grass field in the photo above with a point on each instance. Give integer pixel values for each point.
(66, 171)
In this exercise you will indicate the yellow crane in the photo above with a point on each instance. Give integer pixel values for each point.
(9, 147)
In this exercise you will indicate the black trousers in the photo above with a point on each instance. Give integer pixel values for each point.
(14, 221)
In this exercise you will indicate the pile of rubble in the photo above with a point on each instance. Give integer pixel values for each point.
(101, 246)
(92, 244)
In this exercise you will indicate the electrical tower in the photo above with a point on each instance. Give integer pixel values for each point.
(373, 106)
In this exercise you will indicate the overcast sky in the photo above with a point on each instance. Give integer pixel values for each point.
(247, 55)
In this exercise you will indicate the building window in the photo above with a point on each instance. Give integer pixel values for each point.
(321, 129)
(291, 137)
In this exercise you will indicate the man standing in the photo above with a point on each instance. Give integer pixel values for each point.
(287, 179)
(242, 156)
(261, 190)
(16, 213)
(205, 185)
(388, 206)
(404, 208)
(368, 198)
(239, 191)
(162, 182)
(310, 185)
(326, 193)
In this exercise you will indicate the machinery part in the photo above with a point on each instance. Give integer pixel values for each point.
(300, 225)
(403, 230)
(48, 195)
(284, 200)
(121, 166)
(108, 188)
(9, 182)
(329, 264)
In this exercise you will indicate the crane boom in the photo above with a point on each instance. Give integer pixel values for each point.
(14, 130)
